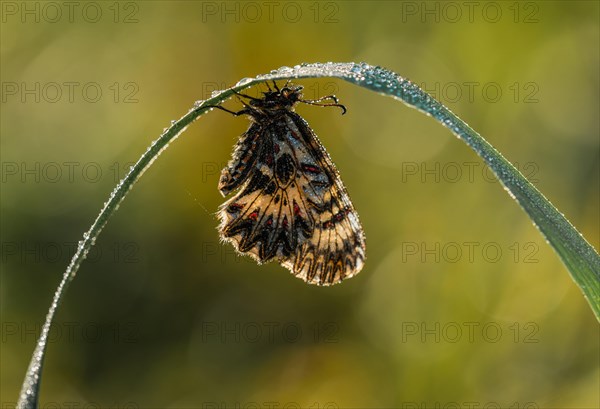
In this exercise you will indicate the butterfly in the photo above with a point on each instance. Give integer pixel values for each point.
(290, 204)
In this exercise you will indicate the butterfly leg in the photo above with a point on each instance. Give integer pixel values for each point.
(238, 113)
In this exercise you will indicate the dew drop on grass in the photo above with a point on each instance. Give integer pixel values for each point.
(243, 81)
(216, 93)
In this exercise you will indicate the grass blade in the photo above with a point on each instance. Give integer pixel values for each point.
(580, 258)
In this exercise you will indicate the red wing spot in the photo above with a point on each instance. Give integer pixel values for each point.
(310, 168)
(253, 215)
(338, 217)
(328, 224)
(270, 221)
(296, 208)
(284, 223)
(276, 148)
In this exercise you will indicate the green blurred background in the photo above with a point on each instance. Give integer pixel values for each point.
(461, 302)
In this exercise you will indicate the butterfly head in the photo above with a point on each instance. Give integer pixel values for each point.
(279, 99)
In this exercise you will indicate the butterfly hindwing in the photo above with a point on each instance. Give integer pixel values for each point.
(240, 165)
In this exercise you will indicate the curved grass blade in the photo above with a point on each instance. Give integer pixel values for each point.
(580, 258)
(582, 261)
(29, 395)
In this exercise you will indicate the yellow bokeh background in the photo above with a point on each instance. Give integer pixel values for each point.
(460, 301)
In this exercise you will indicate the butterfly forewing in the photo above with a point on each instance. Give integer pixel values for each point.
(291, 204)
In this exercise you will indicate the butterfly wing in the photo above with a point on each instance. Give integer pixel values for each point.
(292, 204)
(336, 249)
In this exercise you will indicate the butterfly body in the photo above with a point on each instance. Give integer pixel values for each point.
(291, 205)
